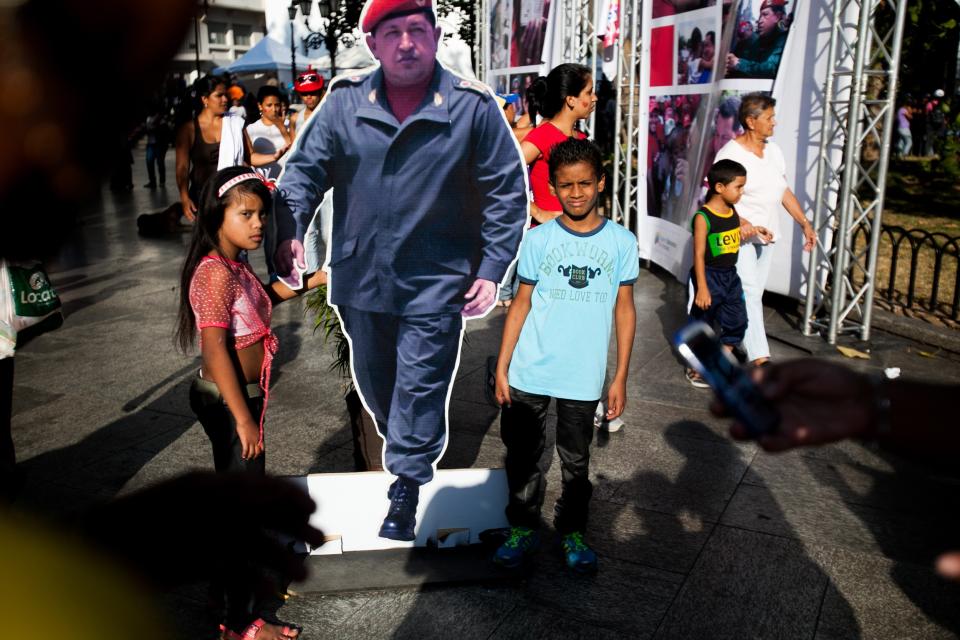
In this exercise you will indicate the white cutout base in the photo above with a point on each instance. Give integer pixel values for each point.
(454, 508)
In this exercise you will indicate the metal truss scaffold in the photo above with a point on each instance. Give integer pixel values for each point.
(863, 59)
(579, 20)
(626, 134)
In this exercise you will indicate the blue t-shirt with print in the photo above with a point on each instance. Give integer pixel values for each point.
(562, 349)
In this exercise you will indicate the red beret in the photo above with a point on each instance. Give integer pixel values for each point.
(773, 3)
(377, 10)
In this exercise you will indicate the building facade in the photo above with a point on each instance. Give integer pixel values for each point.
(227, 29)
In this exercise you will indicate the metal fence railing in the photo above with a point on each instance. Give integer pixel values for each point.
(916, 269)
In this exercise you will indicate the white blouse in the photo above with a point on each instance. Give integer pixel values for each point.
(762, 199)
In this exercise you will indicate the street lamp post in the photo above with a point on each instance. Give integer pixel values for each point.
(328, 39)
(292, 12)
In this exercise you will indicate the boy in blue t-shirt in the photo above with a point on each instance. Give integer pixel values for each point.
(576, 276)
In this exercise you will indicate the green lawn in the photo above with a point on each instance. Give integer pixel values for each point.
(920, 197)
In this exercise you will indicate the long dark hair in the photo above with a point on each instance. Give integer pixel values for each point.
(546, 96)
(206, 231)
(192, 103)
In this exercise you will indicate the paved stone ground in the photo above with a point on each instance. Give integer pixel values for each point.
(699, 537)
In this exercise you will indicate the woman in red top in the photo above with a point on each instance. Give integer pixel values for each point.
(563, 98)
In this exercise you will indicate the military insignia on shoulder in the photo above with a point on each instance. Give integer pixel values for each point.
(473, 85)
(346, 81)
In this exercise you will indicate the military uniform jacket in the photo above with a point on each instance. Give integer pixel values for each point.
(421, 209)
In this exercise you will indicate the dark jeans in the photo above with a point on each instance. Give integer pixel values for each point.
(221, 428)
(523, 431)
(155, 158)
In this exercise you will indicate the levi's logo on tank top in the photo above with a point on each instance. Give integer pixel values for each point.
(724, 242)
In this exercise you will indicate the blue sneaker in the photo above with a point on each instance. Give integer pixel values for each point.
(579, 556)
(401, 518)
(518, 547)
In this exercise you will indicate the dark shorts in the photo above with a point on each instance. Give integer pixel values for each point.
(728, 311)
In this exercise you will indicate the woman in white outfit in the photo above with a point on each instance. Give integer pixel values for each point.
(766, 192)
(268, 139)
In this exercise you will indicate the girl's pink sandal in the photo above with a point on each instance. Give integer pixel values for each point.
(251, 632)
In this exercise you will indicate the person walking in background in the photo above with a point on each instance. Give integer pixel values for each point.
(563, 300)
(268, 140)
(309, 86)
(905, 139)
(236, 94)
(563, 98)
(717, 230)
(766, 194)
(936, 123)
(429, 206)
(211, 140)
(223, 300)
(157, 132)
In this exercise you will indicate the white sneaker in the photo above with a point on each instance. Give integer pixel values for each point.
(695, 379)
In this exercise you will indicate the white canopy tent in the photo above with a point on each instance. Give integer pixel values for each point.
(266, 55)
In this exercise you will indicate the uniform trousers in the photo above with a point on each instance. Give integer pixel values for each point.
(523, 431)
(403, 367)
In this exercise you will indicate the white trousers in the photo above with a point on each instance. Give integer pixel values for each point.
(753, 267)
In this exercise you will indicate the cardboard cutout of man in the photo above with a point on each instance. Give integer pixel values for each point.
(429, 207)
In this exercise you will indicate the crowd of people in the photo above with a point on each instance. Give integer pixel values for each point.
(923, 125)
(403, 297)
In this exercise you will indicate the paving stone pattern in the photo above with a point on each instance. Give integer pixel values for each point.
(698, 536)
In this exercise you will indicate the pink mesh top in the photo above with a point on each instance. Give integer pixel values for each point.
(227, 294)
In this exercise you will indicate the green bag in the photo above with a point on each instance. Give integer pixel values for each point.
(36, 305)
(33, 295)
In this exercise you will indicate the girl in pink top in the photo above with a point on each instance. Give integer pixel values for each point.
(563, 98)
(222, 298)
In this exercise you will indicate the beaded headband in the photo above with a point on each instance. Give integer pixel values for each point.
(243, 177)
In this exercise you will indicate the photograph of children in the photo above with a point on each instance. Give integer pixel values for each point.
(761, 32)
(501, 25)
(673, 121)
(663, 8)
(696, 51)
(519, 84)
(529, 29)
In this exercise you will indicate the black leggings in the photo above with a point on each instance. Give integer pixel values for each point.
(221, 427)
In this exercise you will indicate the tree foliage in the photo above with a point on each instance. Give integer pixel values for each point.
(929, 55)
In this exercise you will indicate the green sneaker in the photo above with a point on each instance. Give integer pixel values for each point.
(518, 547)
(578, 555)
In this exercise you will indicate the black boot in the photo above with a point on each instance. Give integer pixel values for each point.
(402, 516)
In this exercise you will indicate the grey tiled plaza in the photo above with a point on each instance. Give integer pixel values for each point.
(698, 536)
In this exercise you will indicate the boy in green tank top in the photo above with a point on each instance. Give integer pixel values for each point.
(717, 230)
